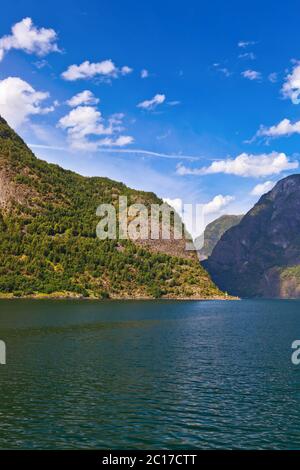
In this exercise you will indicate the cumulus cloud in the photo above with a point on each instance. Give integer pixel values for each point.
(144, 73)
(151, 104)
(84, 97)
(216, 204)
(27, 37)
(284, 127)
(291, 86)
(84, 123)
(262, 188)
(251, 74)
(245, 165)
(105, 70)
(19, 100)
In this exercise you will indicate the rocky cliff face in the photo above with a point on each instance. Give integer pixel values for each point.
(260, 257)
(214, 231)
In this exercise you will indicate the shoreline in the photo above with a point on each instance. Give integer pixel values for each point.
(110, 299)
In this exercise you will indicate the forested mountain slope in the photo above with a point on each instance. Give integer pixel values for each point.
(48, 242)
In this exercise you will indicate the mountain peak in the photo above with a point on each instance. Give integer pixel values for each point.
(261, 255)
(285, 186)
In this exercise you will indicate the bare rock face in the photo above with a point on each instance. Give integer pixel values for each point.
(11, 193)
(7, 193)
(260, 257)
(171, 247)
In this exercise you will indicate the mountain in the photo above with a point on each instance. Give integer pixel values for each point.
(48, 242)
(213, 232)
(260, 257)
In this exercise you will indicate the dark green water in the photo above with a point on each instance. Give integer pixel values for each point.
(149, 375)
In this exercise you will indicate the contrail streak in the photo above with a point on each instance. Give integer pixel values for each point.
(147, 153)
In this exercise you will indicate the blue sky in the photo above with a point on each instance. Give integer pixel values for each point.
(154, 84)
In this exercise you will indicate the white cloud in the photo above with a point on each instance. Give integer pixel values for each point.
(122, 140)
(19, 100)
(115, 121)
(176, 203)
(291, 87)
(262, 188)
(82, 121)
(251, 74)
(27, 37)
(245, 165)
(284, 127)
(85, 122)
(105, 69)
(144, 73)
(151, 104)
(244, 44)
(125, 70)
(194, 216)
(85, 97)
(192, 219)
(216, 204)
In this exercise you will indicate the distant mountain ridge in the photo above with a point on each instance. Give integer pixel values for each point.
(260, 257)
(213, 232)
(48, 243)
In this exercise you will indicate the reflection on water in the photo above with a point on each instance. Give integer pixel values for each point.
(149, 375)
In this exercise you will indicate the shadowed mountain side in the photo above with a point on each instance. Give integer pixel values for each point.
(260, 257)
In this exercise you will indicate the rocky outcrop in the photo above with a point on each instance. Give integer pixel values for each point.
(12, 193)
(260, 257)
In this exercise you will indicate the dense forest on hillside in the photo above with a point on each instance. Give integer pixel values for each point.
(48, 242)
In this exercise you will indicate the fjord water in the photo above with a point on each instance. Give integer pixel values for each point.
(161, 374)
